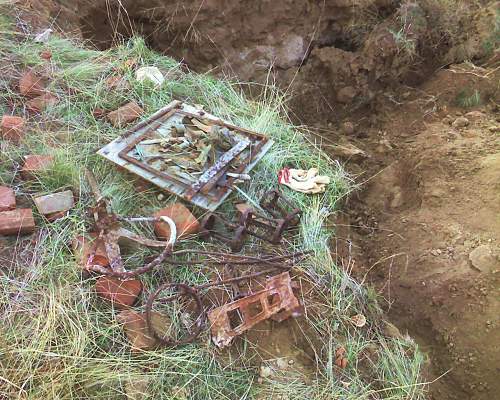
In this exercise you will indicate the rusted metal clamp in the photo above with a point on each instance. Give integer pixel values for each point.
(236, 234)
(274, 203)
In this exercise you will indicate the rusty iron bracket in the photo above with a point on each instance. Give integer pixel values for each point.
(110, 232)
(236, 234)
(251, 223)
(232, 319)
(276, 204)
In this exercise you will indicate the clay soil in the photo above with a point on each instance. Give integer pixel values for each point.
(424, 228)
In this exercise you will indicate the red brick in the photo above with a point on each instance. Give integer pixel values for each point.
(121, 294)
(185, 222)
(31, 85)
(125, 114)
(55, 202)
(17, 222)
(136, 328)
(35, 163)
(40, 103)
(12, 128)
(83, 247)
(7, 199)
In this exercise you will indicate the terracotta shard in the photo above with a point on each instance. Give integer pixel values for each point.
(125, 114)
(41, 103)
(16, 222)
(12, 128)
(121, 294)
(7, 199)
(31, 85)
(186, 223)
(36, 163)
(231, 320)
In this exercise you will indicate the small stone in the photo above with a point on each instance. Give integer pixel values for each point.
(265, 371)
(12, 128)
(55, 202)
(347, 128)
(31, 85)
(391, 330)
(474, 115)
(17, 222)
(41, 103)
(346, 94)
(118, 83)
(185, 222)
(348, 151)
(121, 294)
(460, 122)
(125, 114)
(7, 199)
(35, 163)
(282, 363)
(136, 328)
(46, 55)
(291, 362)
(160, 197)
(482, 258)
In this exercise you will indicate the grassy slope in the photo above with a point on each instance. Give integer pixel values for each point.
(59, 341)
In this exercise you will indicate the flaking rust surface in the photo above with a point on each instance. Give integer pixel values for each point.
(276, 300)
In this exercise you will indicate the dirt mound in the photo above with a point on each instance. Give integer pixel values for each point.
(428, 226)
(358, 48)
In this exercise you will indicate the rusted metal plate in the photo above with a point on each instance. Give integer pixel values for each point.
(231, 320)
(206, 188)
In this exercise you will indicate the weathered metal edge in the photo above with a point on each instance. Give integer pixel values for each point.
(111, 150)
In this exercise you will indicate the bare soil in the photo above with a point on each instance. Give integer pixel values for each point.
(425, 227)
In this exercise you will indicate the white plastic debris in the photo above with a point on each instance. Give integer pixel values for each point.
(44, 36)
(152, 74)
(303, 181)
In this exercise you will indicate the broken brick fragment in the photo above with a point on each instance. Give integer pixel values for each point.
(55, 202)
(125, 114)
(41, 103)
(12, 128)
(36, 163)
(99, 113)
(185, 222)
(46, 55)
(119, 83)
(31, 85)
(88, 250)
(121, 294)
(17, 222)
(136, 328)
(7, 199)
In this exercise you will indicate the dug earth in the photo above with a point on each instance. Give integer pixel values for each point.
(383, 84)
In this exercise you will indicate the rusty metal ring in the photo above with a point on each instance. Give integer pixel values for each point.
(183, 290)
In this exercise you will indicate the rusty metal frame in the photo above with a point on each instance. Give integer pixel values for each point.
(207, 196)
(276, 298)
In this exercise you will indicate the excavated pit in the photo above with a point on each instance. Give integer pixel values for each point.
(373, 63)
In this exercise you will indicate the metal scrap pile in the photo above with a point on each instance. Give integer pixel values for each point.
(200, 158)
(189, 153)
(191, 147)
(99, 252)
